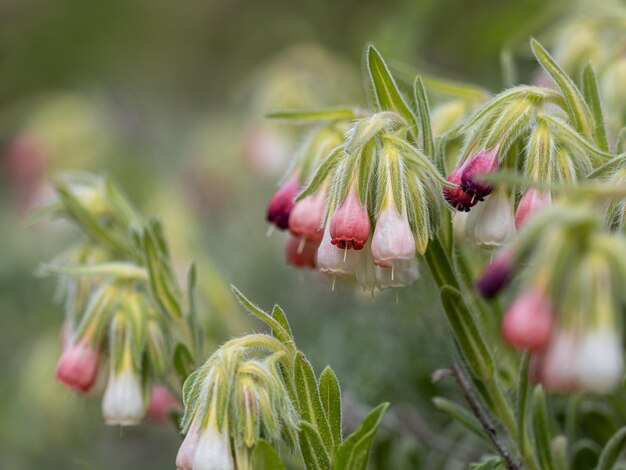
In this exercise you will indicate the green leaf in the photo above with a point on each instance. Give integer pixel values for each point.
(312, 447)
(183, 362)
(523, 390)
(585, 454)
(386, 92)
(311, 410)
(118, 269)
(265, 457)
(353, 454)
(423, 110)
(578, 110)
(460, 414)
(330, 394)
(194, 321)
(577, 139)
(328, 114)
(279, 331)
(592, 96)
(612, 450)
(541, 429)
(322, 171)
(490, 463)
(279, 315)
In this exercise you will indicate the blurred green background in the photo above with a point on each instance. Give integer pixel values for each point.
(168, 97)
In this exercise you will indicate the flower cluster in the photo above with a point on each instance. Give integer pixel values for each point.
(368, 205)
(117, 337)
(231, 402)
(567, 309)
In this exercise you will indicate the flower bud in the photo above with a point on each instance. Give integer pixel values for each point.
(162, 402)
(496, 275)
(600, 365)
(78, 366)
(527, 322)
(393, 239)
(484, 162)
(333, 260)
(301, 252)
(350, 224)
(493, 223)
(456, 197)
(307, 217)
(282, 203)
(123, 398)
(532, 201)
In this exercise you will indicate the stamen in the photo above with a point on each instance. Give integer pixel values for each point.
(301, 245)
(397, 299)
(333, 286)
(393, 267)
(270, 231)
(345, 254)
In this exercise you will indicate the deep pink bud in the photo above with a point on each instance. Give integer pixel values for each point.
(78, 366)
(527, 323)
(302, 252)
(482, 163)
(532, 201)
(307, 217)
(496, 275)
(350, 224)
(455, 196)
(161, 404)
(281, 204)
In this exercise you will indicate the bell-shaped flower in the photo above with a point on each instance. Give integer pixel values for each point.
(558, 366)
(301, 252)
(350, 223)
(402, 273)
(78, 366)
(456, 197)
(393, 239)
(186, 451)
(162, 402)
(527, 322)
(600, 362)
(484, 162)
(532, 202)
(497, 275)
(213, 450)
(307, 217)
(492, 224)
(282, 203)
(123, 402)
(333, 260)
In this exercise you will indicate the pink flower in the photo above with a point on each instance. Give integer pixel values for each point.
(527, 323)
(455, 196)
(497, 274)
(184, 458)
(532, 201)
(307, 217)
(350, 224)
(78, 366)
(482, 163)
(301, 252)
(161, 404)
(282, 203)
(393, 239)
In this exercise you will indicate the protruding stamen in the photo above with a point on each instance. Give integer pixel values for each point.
(270, 231)
(345, 254)
(301, 245)
(333, 286)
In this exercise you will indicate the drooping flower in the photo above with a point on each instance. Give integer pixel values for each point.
(599, 361)
(456, 197)
(78, 366)
(350, 223)
(123, 402)
(497, 275)
(162, 402)
(333, 260)
(527, 322)
(532, 201)
(186, 451)
(558, 366)
(492, 224)
(307, 217)
(393, 239)
(213, 450)
(484, 162)
(282, 203)
(301, 252)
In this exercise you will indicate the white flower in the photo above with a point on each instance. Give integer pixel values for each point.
(403, 273)
(337, 261)
(600, 364)
(492, 223)
(559, 364)
(393, 239)
(123, 399)
(213, 450)
(184, 458)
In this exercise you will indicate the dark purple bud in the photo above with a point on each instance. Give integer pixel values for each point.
(497, 275)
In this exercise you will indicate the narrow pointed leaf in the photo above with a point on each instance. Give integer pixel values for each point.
(612, 450)
(322, 171)
(279, 331)
(461, 415)
(541, 429)
(312, 447)
(279, 315)
(423, 109)
(330, 394)
(592, 96)
(328, 114)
